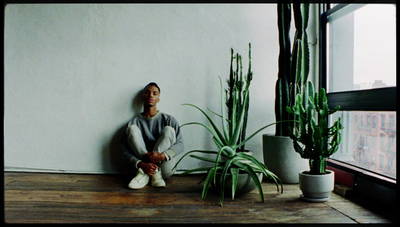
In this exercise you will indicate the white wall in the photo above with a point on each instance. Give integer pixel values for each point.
(72, 73)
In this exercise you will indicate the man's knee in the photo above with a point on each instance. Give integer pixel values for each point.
(133, 131)
(169, 132)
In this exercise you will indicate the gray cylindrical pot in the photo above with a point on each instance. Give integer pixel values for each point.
(281, 158)
(316, 188)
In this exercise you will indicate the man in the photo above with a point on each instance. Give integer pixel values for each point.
(151, 141)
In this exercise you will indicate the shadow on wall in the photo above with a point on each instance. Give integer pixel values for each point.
(112, 153)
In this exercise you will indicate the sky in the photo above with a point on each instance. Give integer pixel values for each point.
(375, 44)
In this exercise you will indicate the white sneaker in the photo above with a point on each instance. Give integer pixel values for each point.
(156, 180)
(140, 180)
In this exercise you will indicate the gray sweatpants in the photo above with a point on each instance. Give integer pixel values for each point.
(166, 140)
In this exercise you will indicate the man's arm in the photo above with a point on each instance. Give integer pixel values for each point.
(149, 168)
(155, 157)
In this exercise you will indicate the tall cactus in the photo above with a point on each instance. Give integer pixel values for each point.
(236, 92)
(293, 66)
(282, 98)
(300, 62)
(314, 137)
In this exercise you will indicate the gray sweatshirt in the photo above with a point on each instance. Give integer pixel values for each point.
(151, 129)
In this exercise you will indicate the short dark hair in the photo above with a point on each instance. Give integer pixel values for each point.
(152, 84)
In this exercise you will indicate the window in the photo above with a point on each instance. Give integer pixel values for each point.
(355, 141)
(359, 142)
(362, 121)
(373, 146)
(391, 122)
(374, 122)
(372, 161)
(381, 162)
(390, 163)
(358, 71)
(382, 141)
(356, 120)
(383, 121)
(362, 47)
(391, 143)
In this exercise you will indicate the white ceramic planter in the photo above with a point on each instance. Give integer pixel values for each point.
(316, 188)
(281, 158)
(245, 183)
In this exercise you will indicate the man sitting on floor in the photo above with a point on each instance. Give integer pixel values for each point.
(151, 141)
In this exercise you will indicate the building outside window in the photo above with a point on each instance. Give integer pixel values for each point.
(386, 148)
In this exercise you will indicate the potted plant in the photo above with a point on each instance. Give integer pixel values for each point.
(315, 141)
(278, 151)
(231, 163)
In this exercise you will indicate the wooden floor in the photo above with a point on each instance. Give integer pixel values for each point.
(80, 198)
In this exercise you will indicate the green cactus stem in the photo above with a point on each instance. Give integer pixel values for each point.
(313, 139)
(294, 66)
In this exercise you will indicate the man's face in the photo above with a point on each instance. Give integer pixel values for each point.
(151, 96)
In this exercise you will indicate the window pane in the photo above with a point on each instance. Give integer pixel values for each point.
(370, 146)
(362, 47)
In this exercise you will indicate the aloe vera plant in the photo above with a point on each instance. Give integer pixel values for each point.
(313, 139)
(229, 138)
(293, 65)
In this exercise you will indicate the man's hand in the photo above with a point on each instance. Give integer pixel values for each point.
(155, 157)
(149, 168)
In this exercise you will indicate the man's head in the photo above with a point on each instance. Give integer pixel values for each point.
(151, 94)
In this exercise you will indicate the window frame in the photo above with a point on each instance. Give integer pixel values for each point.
(363, 181)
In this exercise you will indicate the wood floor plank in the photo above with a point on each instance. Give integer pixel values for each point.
(80, 198)
(255, 213)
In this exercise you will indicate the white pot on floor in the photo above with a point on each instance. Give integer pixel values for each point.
(245, 183)
(244, 186)
(316, 188)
